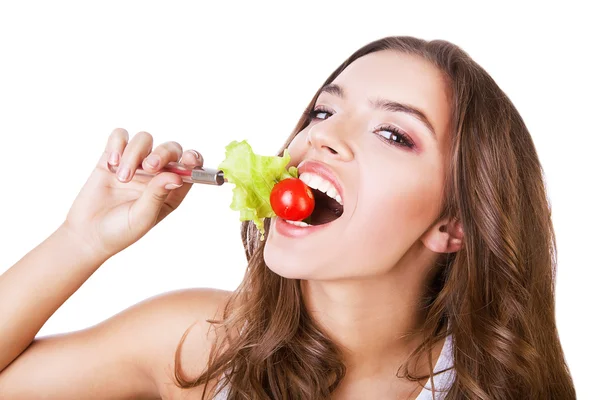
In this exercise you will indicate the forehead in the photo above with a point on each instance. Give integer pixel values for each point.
(400, 77)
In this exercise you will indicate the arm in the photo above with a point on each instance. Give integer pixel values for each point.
(130, 355)
(36, 286)
(115, 359)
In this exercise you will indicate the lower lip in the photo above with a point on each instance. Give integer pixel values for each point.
(289, 230)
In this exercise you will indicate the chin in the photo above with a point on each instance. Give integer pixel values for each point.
(305, 270)
(293, 262)
(286, 268)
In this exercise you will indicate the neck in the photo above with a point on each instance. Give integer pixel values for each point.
(376, 321)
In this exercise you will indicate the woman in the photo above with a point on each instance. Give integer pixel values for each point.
(437, 281)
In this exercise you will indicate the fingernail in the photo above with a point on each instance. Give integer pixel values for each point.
(171, 186)
(195, 153)
(152, 161)
(123, 174)
(114, 158)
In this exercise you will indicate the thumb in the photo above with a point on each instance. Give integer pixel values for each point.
(146, 208)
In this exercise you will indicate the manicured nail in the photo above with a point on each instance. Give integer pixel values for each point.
(114, 158)
(171, 186)
(152, 161)
(123, 174)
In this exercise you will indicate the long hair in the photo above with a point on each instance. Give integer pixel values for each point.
(496, 294)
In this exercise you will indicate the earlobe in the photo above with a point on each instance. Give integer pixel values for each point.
(446, 236)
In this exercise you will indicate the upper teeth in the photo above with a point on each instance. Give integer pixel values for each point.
(316, 182)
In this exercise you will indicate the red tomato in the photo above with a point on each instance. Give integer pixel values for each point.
(292, 199)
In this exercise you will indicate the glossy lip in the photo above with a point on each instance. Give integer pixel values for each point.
(322, 170)
(293, 231)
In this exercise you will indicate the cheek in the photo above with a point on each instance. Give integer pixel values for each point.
(298, 148)
(395, 211)
(400, 194)
(409, 193)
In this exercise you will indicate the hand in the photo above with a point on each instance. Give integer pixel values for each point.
(113, 211)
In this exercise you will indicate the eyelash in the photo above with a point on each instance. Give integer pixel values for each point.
(403, 139)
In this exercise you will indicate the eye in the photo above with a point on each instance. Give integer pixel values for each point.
(388, 133)
(319, 113)
(394, 136)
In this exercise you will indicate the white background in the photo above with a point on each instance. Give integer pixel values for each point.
(207, 73)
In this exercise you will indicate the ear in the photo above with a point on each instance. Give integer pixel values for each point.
(446, 236)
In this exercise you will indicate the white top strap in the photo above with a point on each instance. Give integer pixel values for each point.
(444, 380)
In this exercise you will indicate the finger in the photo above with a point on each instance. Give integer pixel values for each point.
(192, 158)
(174, 199)
(137, 149)
(116, 143)
(162, 155)
(148, 206)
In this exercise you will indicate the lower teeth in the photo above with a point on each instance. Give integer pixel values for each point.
(297, 223)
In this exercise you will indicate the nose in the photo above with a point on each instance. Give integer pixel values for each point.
(329, 138)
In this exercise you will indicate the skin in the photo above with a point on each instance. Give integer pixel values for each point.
(363, 275)
(129, 355)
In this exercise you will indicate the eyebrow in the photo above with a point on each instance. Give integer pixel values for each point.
(387, 105)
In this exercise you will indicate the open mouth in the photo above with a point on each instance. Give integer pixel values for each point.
(329, 205)
(326, 209)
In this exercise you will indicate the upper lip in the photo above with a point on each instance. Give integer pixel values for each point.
(322, 170)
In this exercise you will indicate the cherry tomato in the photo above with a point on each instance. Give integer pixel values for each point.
(292, 199)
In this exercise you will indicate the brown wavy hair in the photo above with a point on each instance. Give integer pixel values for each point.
(496, 294)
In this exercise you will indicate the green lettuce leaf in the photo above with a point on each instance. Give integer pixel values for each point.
(254, 177)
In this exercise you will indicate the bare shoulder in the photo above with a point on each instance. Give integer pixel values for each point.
(130, 355)
(172, 315)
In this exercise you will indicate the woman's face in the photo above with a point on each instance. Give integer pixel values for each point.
(391, 186)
